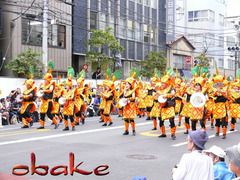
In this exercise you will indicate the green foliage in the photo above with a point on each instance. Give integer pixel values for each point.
(154, 60)
(21, 64)
(204, 61)
(98, 42)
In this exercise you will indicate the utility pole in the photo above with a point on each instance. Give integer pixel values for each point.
(45, 35)
(115, 30)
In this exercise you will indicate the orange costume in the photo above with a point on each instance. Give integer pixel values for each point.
(129, 110)
(68, 107)
(28, 105)
(57, 93)
(46, 105)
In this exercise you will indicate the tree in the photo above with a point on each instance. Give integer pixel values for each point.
(20, 65)
(154, 60)
(99, 41)
(203, 61)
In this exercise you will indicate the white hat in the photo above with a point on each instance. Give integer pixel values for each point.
(217, 151)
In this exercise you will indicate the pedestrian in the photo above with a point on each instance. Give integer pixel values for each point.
(195, 165)
(221, 171)
(97, 74)
(233, 154)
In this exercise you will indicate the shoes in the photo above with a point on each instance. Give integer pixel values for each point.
(232, 129)
(31, 123)
(224, 136)
(162, 136)
(186, 132)
(119, 116)
(76, 124)
(25, 126)
(173, 136)
(139, 116)
(148, 119)
(217, 134)
(126, 132)
(179, 123)
(41, 127)
(73, 128)
(52, 123)
(56, 126)
(66, 129)
(134, 132)
(83, 121)
(110, 123)
(154, 129)
(104, 124)
(212, 126)
(101, 121)
(61, 121)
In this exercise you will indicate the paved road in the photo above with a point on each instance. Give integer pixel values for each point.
(143, 155)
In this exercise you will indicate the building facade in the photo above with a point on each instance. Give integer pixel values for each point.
(202, 23)
(22, 29)
(140, 28)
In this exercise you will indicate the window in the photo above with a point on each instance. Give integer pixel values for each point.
(154, 4)
(111, 23)
(153, 35)
(138, 31)
(220, 64)
(130, 30)
(210, 39)
(102, 21)
(145, 33)
(221, 19)
(196, 39)
(93, 20)
(146, 2)
(179, 62)
(139, 1)
(122, 28)
(221, 41)
(32, 33)
(202, 15)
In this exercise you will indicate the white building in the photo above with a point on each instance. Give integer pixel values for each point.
(202, 23)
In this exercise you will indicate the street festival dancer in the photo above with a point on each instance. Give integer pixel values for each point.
(47, 95)
(28, 98)
(130, 93)
(68, 106)
(79, 98)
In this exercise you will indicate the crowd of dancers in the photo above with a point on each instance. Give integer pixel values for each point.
(162, 98)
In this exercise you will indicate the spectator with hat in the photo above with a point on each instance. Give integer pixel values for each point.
(233, 154)
(221, 171)
(189, 166)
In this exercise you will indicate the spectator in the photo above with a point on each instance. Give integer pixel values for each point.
(233, 154)
(97, 74)
(195, 165)
(8, 103)
(15, 94)
(96, 104)
(221, 171)
(3, 110)
(15, 109)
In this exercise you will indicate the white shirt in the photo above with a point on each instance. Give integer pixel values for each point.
(194, 166)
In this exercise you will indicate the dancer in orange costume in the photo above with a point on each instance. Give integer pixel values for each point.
(167, 110)
(28, 99)
(155, 112)
(129, 110)
(235, 105)
(68, 107)
(219, 109)
(119, 95)
(109, 95)
(178, 97)
(149, 97)
(141, 106)
(47, 91)
(79, 98)
(57, 93)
